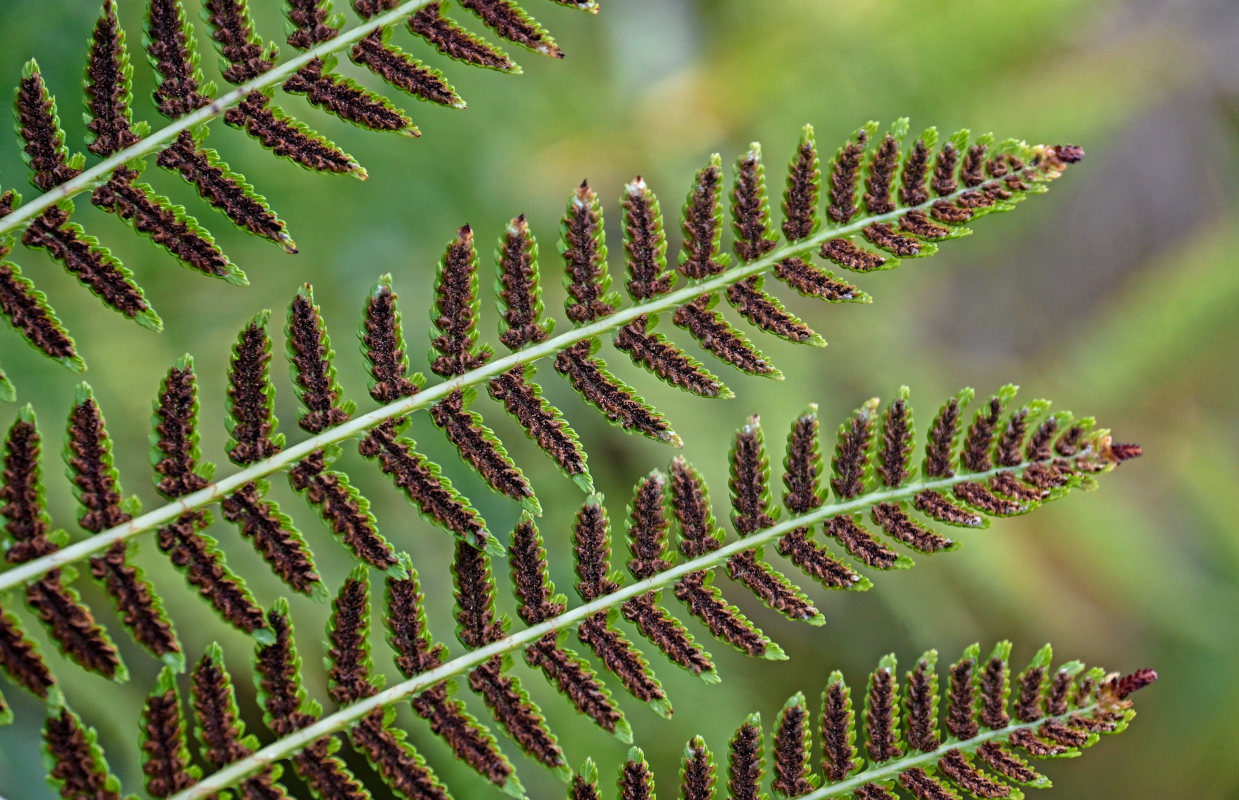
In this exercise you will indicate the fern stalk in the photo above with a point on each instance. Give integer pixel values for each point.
(286, 458)
(100, 172)
(350, 714)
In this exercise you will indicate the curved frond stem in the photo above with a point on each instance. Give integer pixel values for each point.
(153, 141)
(349, 715)
(285, 459)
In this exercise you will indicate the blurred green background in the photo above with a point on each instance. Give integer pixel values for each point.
(1114, 295)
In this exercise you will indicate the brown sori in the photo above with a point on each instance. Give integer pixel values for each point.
(403, 71)
(790, 752)
(232, 28)
(723, 621)
(311, 363)
(98, 272)
(884, 235)
(350, 625)
(455, 309)
(636, 782)
(917, 224)
(882, 168)
(585, 258)
(413, 474)
(972, 171)
(882, 716)
(750, 213)
(913, 192)
(937, 506)
(765, 312)
(73, 764)
(923, 786)
(250, 397)
(962, 699)
(703, 224)
(980, 439)
(402, 770)
(382, 341)
(134, 202)
(72, 626)
(507, 20)
(477, 445)
(813, 282)
(280, 135)
(852, 453)
(993, 686)
(310, 24)
(536, 600)
(843, 178)
(921, 707)
(711, 330)
(346, 100)
(614, 400)
(109, 124)
(645, 245)
(897, 524)
(279, 546)
(510, 707)
(456, 42)
(803, 189)
(697, 777)
(220, 730)
(519, 292)
(1006, 763)
(838, 752)
(944, 170)
(846, 254)
(621, 659)
(816, 561)
(666, 633)
(959, 769)
(222, 190)
(20, 660)
(178, 91)
(44, 141)
(469, 742)
(164, 758)
(205, 570)
(665, 360)
(941, 444)
(770, 586)
(744, 767)
(574, 679)
(343, 509)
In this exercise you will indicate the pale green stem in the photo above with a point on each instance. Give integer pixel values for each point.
(102, 171)
(225, 486)
(346, 716)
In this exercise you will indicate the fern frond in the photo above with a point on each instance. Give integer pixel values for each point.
(899, 721)
(187, 98)
(920, 765)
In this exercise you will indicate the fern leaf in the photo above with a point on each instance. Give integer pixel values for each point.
(20, 659)
(27, 310)
(636, 781)
(377, 54)
(647, 541)
(38, 126)
(455, 42)
(220, 730)
(171, 47)
(88, 453)
(939, 770)
(226, 190)
(165, 751)
(167, 225)
(77, 764)
(347, 99)
(93, 265)
(509, 21)
(109, 96)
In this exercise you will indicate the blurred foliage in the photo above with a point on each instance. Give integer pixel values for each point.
(1115, 295)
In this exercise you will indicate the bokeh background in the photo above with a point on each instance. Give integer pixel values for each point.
(1114, 295)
